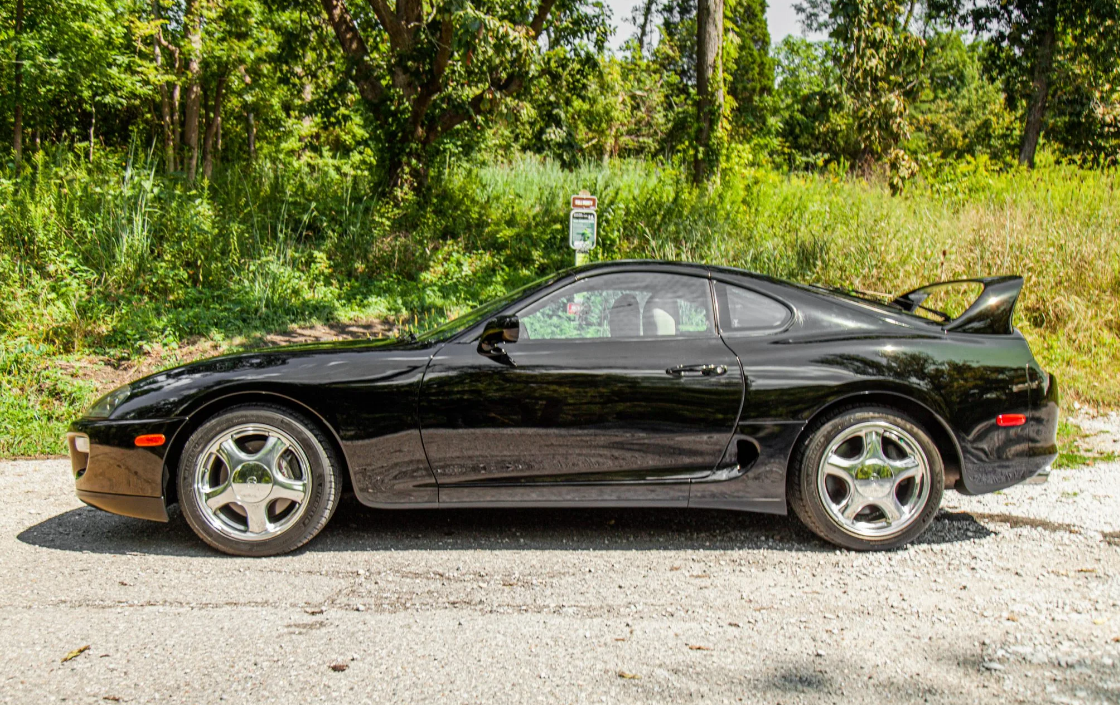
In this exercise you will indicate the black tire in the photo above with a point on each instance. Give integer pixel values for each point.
(804, 490)
(323, 471)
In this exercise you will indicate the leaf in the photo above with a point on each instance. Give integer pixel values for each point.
(339, 667)
(75, 653)
(629, 676)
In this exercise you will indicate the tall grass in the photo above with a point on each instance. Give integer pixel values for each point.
(106, 259)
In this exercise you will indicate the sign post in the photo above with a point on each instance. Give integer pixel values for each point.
(582, 224)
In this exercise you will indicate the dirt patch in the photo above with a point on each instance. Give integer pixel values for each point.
(323, 332)
(107, 373)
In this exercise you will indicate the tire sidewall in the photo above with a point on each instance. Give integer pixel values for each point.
(323, 469)
(809, 505)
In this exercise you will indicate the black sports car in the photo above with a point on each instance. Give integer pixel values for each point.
(621, 384)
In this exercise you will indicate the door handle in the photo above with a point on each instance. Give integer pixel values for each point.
(696, 370)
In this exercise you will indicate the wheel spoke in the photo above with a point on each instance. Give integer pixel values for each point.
(853, 506)
(872, 445)
(220, 496)
(256, 514)
(270, 452)
(285, 488)
(892, 510)
(230, 454)
(839, 466)
(905, 469)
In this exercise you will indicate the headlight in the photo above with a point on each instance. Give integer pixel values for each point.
(105, 406)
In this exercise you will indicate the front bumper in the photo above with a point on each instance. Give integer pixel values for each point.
(151, 508)
(116, 475)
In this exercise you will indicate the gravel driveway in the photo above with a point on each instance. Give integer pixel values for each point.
(1013, 597)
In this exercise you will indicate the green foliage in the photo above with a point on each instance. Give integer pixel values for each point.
(880, 66)
(959, 113)
(1074, 452)
(112, 259)
(748, 66)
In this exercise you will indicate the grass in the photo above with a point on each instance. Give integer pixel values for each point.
(1074, 452)
(111, 260)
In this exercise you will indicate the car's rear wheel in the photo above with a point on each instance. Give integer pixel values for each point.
(867, 478)
(258, 481)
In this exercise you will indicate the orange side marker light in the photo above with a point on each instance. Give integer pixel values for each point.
(150, 440)
(1011, 419)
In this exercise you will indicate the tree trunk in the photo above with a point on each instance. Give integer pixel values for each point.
(92, 124)
(709, 84)
(1040, 90)
(194, 88)
(251, 132)
(164, 97)
(17, 121)
(643, 30)
(176, 122)
(213, 130)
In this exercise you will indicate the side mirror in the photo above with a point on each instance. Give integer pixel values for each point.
(499, 330)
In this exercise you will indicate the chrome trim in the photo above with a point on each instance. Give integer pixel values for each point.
(252, 495)
(870, 505)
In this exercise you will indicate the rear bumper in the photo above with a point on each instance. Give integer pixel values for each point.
(996, 458)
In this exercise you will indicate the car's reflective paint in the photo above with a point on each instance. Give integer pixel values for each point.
(432, 421)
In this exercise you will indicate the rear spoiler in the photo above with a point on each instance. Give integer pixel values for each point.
(990, 313)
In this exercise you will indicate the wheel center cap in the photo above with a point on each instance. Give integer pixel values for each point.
(252, 482)
(875, 480)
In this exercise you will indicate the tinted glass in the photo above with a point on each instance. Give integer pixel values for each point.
(636, 305)
(747, 312)
(472, 318)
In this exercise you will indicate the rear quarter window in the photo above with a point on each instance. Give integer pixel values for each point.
(748, 312)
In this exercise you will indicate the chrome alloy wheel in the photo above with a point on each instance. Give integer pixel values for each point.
(252, 482)
(874, 480)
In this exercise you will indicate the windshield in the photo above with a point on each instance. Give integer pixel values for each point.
(451, 328)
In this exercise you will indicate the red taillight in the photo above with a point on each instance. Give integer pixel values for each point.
(150, 440)
(1011, 419)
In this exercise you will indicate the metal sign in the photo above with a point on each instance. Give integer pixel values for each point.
(581, 230)
(584, 201)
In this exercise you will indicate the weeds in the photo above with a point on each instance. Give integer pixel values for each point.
(105, 259)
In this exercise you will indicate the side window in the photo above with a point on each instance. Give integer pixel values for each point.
(744, 311)
(630, 305)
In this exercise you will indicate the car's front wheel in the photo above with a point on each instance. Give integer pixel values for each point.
(258, 481)
(867, 479)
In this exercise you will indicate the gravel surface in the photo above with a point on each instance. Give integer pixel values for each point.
(1012, 597)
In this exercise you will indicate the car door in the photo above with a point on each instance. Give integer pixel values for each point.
(618, 390)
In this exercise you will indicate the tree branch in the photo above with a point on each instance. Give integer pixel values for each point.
(435, 84)
(355, 48)
(511, 84)
(537, 25)
(398, 39)
(409, 13)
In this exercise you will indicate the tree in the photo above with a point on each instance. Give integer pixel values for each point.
(880, 65)
(74, 58)
(17, 121)
(709, 87)
(959, 112)
(423, 73)
(748, 66)
(1031, 39)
